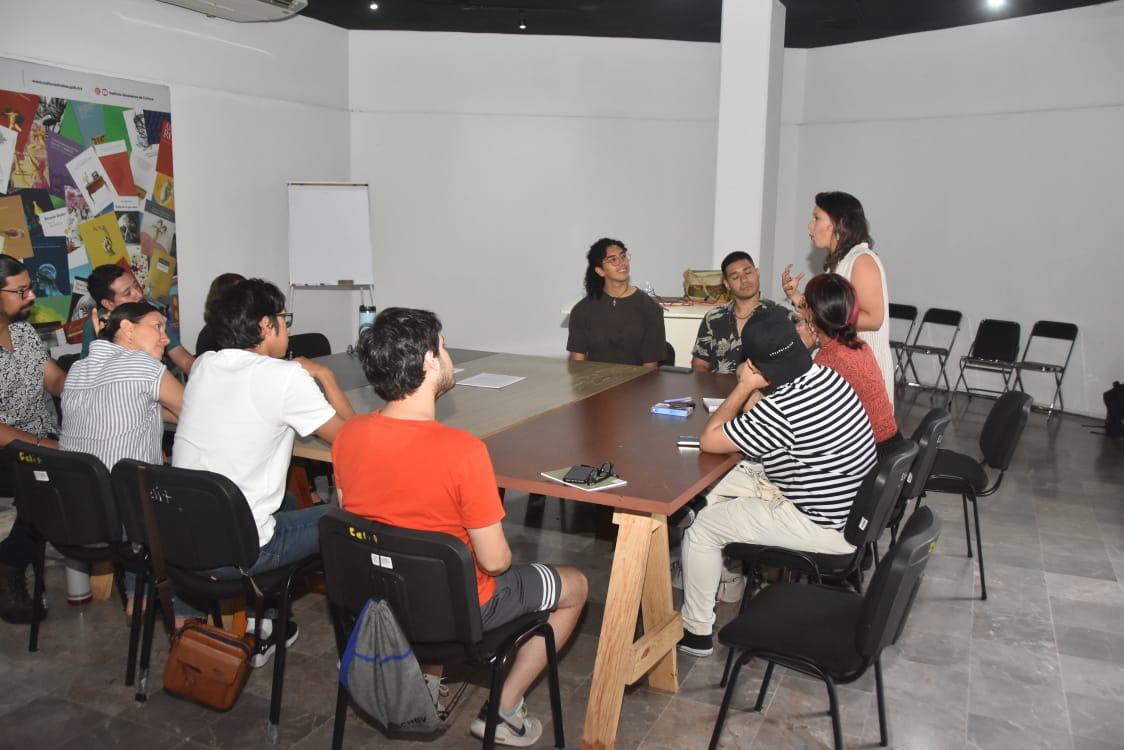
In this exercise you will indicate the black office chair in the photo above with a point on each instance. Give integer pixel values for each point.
(870, 512)
(1048, 329)
(204, 523)
(67, 498)
(831, 634)
(431, 587)
(929, 435)
(957, 473)
(995, 349)
(934, 316)
(668, 355)
(309, 345)
(906, 314)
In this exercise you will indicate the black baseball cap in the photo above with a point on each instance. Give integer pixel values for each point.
(770, 341)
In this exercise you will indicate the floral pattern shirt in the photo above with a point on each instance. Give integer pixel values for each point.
(23, 402)
(719, 342)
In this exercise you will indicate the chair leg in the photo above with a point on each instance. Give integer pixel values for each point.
(135, 628)
(493, 717)
(555, 688)
(280, 627)
(833, 702)
(728, 695)
(979, 550)
(146, 642)
(37, 570)
(960, 380)
(341, 716)
(883, 732)
(764, 683)
(119, 579)
(967, 526)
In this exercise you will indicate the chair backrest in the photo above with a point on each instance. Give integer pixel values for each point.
(668, 355)
(309, 345)
(1003, 428)
(428, 578)
(878, 495)
(65, 495)
(203, 519)
(929, 435)
(1052, 329)
(895, 583)
(903, 312)
(996, 340)
(941, 317)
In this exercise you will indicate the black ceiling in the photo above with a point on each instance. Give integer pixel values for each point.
(810, 23)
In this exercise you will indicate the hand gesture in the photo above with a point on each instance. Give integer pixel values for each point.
(790, 284)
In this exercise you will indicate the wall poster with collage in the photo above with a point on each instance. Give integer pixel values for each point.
(86, 179)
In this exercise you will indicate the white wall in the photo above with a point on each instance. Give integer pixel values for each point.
(988, 159)
(253, 106)
(496, 160)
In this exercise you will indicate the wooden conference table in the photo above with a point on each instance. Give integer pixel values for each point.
(567, 413)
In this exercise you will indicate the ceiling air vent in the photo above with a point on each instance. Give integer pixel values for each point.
(244, 11)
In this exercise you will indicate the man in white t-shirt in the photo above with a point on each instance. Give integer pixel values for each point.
(242, 408)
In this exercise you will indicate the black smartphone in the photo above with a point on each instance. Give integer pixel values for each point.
(581, 474)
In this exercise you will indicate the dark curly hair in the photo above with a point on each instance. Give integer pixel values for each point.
(595, 282)
(835, 308)
(235, 315)
(851, 228)
(392, 350)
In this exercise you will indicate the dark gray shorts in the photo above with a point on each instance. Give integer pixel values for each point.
(522, 589)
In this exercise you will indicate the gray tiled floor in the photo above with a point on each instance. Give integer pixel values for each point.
(1040, 664)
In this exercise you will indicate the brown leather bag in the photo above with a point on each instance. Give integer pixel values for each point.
(208, 665)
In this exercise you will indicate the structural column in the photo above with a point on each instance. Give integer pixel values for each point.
(745, 196)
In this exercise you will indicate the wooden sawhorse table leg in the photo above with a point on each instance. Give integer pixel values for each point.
(640, 582)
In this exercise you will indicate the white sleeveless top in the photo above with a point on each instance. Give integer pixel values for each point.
(879, 340)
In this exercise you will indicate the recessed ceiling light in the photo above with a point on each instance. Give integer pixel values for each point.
(996, 4)
(374, 6)
(522, 23)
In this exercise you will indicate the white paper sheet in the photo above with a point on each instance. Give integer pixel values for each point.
(7, 156)
(54, 223)
(490, 380)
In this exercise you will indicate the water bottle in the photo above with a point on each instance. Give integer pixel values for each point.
(366, 317)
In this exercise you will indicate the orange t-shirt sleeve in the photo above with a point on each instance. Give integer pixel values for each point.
(479, 499)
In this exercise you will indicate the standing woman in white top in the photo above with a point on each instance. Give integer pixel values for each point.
(839, 226)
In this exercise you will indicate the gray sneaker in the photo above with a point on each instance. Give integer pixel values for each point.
(527, 733)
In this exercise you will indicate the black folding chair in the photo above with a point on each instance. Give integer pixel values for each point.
(1048, 329)
(995, 349)
(431, 587)
(957, 473)
(309, 345)
(832, 634)
(204, 523)
(870, 512)
(934, 316)
(929, 435)
(67, 498)
(904, 314)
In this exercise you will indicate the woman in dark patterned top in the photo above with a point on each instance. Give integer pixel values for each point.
(615, 322)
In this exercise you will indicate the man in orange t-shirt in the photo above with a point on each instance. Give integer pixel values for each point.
(401, 467)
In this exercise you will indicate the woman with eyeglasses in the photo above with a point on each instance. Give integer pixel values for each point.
(116, 399)
(834, 310)
(839, 226)
(615, 322)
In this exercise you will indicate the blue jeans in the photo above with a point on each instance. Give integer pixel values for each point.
(296, 535)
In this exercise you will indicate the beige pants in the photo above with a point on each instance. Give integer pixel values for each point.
(743, 507)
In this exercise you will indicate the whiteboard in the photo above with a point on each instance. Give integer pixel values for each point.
(330, 234)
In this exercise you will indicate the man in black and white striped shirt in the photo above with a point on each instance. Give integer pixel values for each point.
(811, 434)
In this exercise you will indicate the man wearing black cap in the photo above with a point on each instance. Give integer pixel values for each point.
(813, 438)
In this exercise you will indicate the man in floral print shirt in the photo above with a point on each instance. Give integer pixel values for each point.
(718, 347)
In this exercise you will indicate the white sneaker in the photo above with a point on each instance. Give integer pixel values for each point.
(268, 644)
(527, 733)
